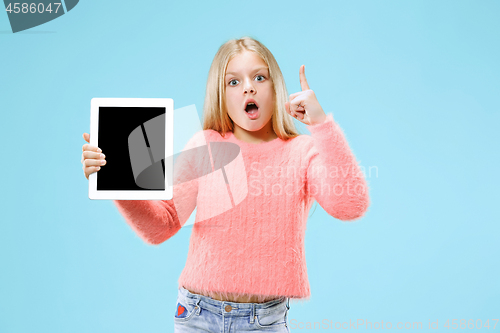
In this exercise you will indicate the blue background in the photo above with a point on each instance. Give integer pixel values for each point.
(413, 84)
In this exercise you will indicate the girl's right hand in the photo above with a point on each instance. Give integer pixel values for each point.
(92, 157)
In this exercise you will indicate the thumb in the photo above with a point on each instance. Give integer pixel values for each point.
(287, 106)
(86, 137)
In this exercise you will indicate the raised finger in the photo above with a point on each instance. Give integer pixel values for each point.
(303, 80)
(91, 148)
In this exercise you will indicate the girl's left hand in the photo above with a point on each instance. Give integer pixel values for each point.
(303, 105)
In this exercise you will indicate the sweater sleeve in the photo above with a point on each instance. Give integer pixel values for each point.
(334, 178)
(155, 221)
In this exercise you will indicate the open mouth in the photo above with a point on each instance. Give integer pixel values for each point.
(251, 108)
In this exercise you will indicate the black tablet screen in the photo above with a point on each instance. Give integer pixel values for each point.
(132, 138)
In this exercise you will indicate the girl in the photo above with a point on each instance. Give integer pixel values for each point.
(246, 255)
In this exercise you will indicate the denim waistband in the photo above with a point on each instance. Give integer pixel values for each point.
(237, 309)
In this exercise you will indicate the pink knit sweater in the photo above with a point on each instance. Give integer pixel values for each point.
(248, 236)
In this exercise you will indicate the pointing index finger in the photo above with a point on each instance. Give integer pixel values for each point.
(303, 80)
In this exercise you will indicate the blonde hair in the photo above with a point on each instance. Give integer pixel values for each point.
(215, 115)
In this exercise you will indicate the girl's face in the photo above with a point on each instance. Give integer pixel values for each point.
(247, 80)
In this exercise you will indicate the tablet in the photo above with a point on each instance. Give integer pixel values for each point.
(135, 134)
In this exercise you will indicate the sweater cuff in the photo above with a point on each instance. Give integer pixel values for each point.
(323, 127)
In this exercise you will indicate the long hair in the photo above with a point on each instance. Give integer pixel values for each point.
(215, 114)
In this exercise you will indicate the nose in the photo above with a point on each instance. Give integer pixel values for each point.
(249, 88)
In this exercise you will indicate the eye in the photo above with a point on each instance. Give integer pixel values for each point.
(233, 80)
(260, 76)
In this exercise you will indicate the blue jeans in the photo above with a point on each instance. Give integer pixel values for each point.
(198, 313)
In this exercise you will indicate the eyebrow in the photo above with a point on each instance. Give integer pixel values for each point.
(255, 70)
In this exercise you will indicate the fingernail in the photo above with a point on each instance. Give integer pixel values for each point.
(98, 168)
(99, 150)
(103, 156)
(103, 162)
